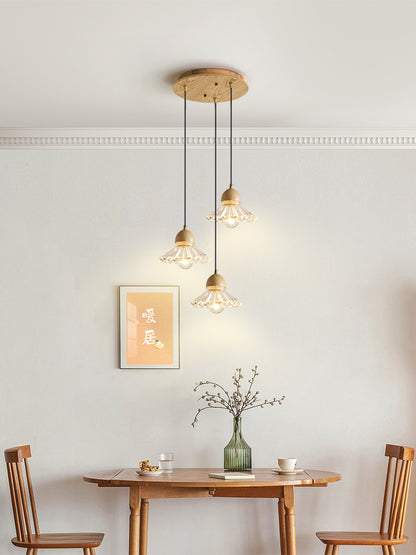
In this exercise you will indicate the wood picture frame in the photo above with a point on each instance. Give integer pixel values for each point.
(149, 326)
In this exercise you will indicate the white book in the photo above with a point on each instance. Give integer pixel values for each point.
(232, 475)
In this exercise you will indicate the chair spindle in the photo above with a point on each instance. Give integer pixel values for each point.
(386, 495)
(32, 498)
(24, 501)
(18, 501)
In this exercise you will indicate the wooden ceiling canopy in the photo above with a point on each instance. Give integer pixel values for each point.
(210, 85)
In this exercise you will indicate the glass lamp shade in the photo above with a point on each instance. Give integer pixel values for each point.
(215, 298)
(231, 213)
(184, 253)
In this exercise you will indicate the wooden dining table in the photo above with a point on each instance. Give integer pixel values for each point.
(195, 482)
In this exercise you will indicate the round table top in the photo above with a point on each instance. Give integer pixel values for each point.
(199, 477)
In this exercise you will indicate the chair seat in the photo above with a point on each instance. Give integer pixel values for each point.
(358, 538)
(61, 541)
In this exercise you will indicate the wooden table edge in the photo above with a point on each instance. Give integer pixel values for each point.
(104, 477)
(109, 478)
(335, 478)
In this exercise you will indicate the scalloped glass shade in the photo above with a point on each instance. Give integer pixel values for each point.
(231, 215)
(215, 300)
(184, 256)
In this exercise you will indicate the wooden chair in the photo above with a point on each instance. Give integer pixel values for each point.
(25, 537)
(392, 517)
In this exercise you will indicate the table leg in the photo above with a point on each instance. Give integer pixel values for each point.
(144, 521)
(282, 527)
(134, 529)
(289, 501)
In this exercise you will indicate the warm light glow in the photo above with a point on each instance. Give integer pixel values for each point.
(231, 215)
(216, 308)
(184, 263)
(184, 256)
(215, 299)
(231, 222)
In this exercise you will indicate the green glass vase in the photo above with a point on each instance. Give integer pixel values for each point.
(237, 453)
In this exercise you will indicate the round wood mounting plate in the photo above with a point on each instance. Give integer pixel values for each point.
(204, 85)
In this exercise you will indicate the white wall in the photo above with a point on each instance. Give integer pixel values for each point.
(328, 280)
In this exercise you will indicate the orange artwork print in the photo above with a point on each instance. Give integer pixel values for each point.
(150, 330)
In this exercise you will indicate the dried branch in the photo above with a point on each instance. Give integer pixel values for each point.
(264, 403)
(200, 410)
(236, 402)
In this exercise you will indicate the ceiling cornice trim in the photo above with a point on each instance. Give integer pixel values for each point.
(150, 138)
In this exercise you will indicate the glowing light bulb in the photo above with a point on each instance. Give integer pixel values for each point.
(215, 298)
(231, 213)
(231, 222)
(215, 308)
(184, 263)
(184, 253)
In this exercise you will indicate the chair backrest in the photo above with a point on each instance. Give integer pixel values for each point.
(393, 514)
(14, 458)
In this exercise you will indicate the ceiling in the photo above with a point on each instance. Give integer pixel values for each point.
(310, 64)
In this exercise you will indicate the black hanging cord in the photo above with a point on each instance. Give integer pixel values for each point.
(231, 133)
(215, 180)
(184, 158)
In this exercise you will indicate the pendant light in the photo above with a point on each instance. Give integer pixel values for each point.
(231, 213)
(215, 298)
(184, 254)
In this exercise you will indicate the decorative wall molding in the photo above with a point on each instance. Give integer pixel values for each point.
(150, 138)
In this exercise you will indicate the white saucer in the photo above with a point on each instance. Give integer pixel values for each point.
(287, 472)
(155, 473)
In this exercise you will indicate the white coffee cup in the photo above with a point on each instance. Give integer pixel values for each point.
(287, 464)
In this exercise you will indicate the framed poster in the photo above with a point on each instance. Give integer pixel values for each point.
(149, 326)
